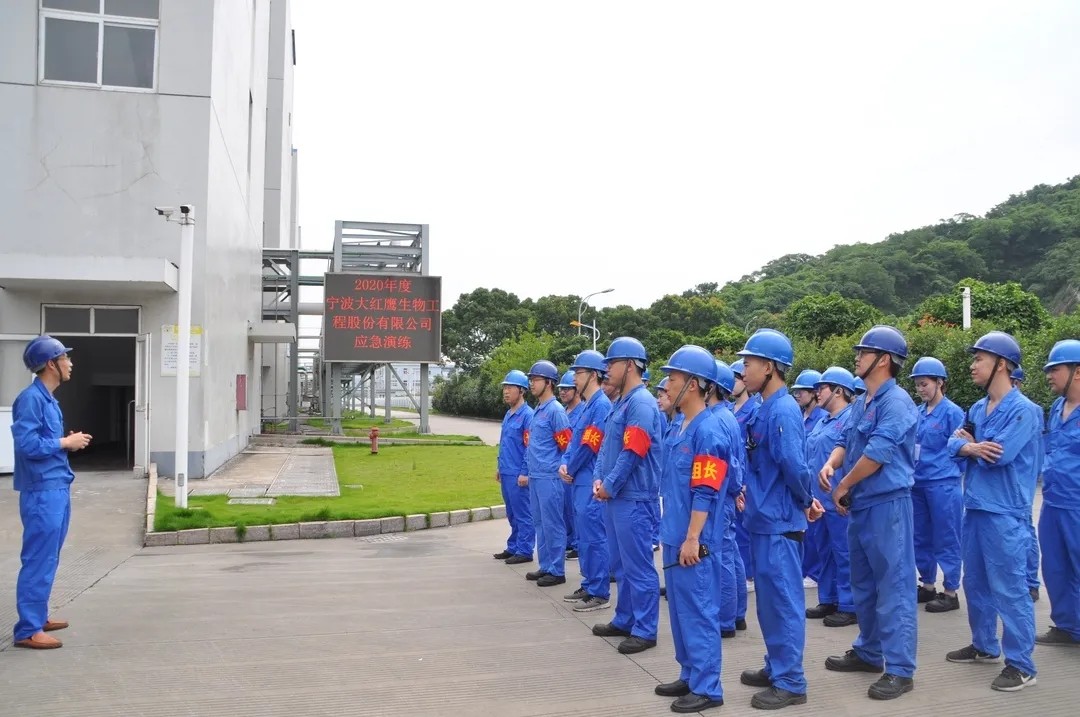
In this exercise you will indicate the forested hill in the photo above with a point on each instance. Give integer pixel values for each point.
(1032, 238)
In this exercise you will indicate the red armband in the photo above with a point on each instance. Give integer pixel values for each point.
(525, 437)
(562, 439)
(592, 437)
(708, 471)
(635, 439)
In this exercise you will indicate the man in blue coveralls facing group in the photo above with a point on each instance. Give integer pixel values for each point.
(877, 453)
(1000, 441)
(628, 479)
(43, 478)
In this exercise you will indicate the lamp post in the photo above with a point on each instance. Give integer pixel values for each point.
(581, 305)
(596, 331)
(186, 220)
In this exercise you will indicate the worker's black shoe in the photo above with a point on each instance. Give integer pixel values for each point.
(822, 610)
(691, 703)
(547, 581)
(740, 624)
(775, 698)
(927, 594)
(889, 687)
(518, 559)
(633, 645)
(841, 619)
(755, 678)
(503, 555)
(678, 688)
(943, 603)
(606, 629)
(536, 574)
(851, 662)
(1055, 636)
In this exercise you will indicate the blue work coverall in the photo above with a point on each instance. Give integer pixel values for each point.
(812, 558)
(937, 498)
(549, 436)
(574, 416)
(778, 491)
(742, 537)
(1059, 524)
(696, 467)
(834, 583)
(511, 465)
(732, 572)
(580, 461)
(43, 478)
(998, 501)
(630, 458)
(1033, 544)
(880, 540)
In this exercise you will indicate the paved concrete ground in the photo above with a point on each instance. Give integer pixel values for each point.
(411, 624)
(486, 431)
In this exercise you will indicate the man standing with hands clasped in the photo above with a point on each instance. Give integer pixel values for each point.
(877, 453)
(43, 478)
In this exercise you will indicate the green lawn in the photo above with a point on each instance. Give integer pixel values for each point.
(400, 480)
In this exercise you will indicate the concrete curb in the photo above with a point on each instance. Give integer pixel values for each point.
(309, 531)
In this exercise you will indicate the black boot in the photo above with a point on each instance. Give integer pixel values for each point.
(822, 610)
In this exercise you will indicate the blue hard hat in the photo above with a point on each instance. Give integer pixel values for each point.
(567, 380)
(929, 367)
(626, 347)
(1000, 344)
(1018, 374)
(738, 368)
(807, 379)
(1064, 352)
(860, 386)
(837, 376)
(41, 351)
(662, 386)
(544, 369)
(884, 338)
(770, 344)
(590, 360)
(693, 360)
(646, 376)
(725, 376)
(516, 378)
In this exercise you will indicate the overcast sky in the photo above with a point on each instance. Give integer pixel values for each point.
(562, 148)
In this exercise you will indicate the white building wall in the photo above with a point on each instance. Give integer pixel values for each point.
(85, 167)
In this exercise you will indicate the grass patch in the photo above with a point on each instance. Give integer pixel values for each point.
(400, 480)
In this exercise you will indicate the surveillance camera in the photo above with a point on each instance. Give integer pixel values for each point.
(185, 209)
(165, 211)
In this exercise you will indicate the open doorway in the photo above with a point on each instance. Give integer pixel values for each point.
(99, 400)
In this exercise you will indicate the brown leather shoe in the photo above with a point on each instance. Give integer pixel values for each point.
(55, 625)
(40, 641)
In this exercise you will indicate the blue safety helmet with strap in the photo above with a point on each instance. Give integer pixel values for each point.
(725, 377)
(837, 376)
(41, 351)
(998, 343)
(662, 386)
(567, 380)
(626, 347)
(516, 378)
(1018, 375)
(738, 368)
(929, 367)
(859, 386)
(1066, 351)
(772, 345)
(693, 360)
(590, 360)
(645, 376)
(544, 369)
(886, 339)
(807, 379)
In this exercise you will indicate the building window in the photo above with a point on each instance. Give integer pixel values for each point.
(90, 320)
(99, 43)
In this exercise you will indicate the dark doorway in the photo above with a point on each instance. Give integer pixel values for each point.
(99, 400)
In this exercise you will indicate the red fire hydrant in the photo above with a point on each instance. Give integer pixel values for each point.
(373, 434)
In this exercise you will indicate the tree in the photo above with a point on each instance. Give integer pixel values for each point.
(818, 317)
(553, 314)
(564, 349)
(725, 340)
(520, 353)
(661, 343)
(478, 322)
(1007, 306)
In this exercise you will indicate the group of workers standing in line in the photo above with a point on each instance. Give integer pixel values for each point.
(843, 480)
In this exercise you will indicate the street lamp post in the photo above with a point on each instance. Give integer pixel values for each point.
(581, 305)
(186, 220)
(596, 331)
